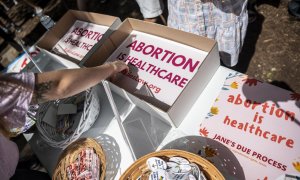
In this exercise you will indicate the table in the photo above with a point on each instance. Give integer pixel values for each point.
(107, 132)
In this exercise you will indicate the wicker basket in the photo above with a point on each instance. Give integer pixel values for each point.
(140, 168)
(70, 154)
(89, 115)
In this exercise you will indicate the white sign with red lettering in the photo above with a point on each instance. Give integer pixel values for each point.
(79, 39)
(159, 68)
(21, 61)
(259, 124)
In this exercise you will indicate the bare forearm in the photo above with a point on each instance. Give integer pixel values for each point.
(65, 83)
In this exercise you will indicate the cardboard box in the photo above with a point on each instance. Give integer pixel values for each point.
(74, 18)
(159, 68)
(187, 45)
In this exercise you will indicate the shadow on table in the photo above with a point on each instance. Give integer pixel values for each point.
(276, 99)
(215, 152)
(254, 29)
(112, 154)
(285, 86)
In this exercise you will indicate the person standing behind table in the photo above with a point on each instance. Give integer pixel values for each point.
(18, 90)
(222, 20)
(152, 10)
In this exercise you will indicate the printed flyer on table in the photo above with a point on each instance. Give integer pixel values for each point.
(259, 123)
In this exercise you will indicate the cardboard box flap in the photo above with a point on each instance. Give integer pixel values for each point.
(153, 110)
(179, 36)
(121, 34)
(189, 39)
(193, 89)
(106, 20)
(97, 55)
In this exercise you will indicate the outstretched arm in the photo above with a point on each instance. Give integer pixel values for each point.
(68, 82)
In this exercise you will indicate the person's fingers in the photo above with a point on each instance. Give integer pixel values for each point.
(120, 66)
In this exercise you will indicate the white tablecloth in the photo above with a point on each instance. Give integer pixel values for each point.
(107, 132)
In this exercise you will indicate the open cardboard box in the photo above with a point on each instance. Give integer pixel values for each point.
(175, 112)
(53, 36)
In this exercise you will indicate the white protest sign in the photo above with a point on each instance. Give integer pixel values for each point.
(21, 61)
(159, 68)
(79, 39)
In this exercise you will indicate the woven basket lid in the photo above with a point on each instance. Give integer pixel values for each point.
(139, 167)
(70, 154)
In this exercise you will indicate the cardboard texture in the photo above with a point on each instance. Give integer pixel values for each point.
(259, 124)
(173, 104)
(52, 37)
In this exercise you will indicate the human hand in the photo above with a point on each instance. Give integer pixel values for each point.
(119, 66)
